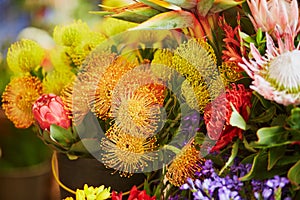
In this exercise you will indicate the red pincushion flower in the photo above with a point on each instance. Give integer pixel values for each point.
(135, 194)
(49, 109)
(217, 115)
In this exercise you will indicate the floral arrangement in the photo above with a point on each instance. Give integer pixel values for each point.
(204, 93)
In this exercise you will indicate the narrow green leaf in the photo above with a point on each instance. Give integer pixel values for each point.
(259, 36)
(236, 119)
(275, 154)
(265, 116)
(294, 173)
(187, 4)
(137, 15)
(294, 119)
(234, 151)
(221, 5)
(259, 168)
(168, 20)
(162, 6)
(204, 6)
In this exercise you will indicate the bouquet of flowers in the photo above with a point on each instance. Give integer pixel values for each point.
(202, 96)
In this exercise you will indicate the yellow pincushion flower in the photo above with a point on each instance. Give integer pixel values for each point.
(70, 35)
(230, 72)
(161, 64)
(195, 59)
(137, 114)
(103, 82)
(18, 98)
(56, 81)
(25, 56)
(184, 166)
(78, 40)
(126, 153)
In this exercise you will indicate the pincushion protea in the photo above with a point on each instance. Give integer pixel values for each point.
(276, 75)
(269, 14)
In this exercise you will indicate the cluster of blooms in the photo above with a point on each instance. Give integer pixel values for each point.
(185, 81)
(209, 185)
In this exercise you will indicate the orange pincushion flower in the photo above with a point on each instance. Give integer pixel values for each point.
(18, 98)
(185, 164)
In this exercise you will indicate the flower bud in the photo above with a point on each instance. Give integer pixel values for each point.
(49, 109)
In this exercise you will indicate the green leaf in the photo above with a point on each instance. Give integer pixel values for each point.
(294, 173)
(137, 15)
(294, 119)
(204, 6)
(269, 136)
(61, 135)
(236, 119)
(234, 151)
(274, 155)
(85, 146)
(265, 116)
(221, 5)
(162, 6)
(259, 36)
(168, 20)
(187, 4)
(259, 168)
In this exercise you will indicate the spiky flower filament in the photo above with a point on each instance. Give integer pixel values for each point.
(185, 165)
(25, 56)
(127, 153)
(18, 98)
(102, 83)
(137, 114)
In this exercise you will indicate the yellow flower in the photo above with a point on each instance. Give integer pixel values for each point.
(91, 193)
(230, 72)
(102, 82)
(18, 98)
(184, 166)
(137, 114)
(126, 153)
(161, 64)
(56, 81)
(25, 56)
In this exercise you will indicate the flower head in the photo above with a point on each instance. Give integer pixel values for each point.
(134, 194)
(25, 56)
(137, 114)
(18, 98)
(185, 165)
(276, 75)
(218, 113)
(269, 14)
(126, 153)
(49, 109)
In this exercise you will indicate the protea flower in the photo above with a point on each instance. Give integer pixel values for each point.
(276, 74)
(267, 14)
(49, 109)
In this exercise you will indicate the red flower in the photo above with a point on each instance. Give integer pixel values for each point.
(135, 194)
(217, 115)
(49, 109)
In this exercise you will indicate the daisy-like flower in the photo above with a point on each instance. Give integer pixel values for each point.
(126, 153)
(18, 98)
(217, 115)
(185, 165)
(276, 75)
(269, 14)
(25, 56)
(137, 114)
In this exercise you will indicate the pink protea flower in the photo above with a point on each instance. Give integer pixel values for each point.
(276, 75)
(49, 109)
(217, 115)
(268, 14)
